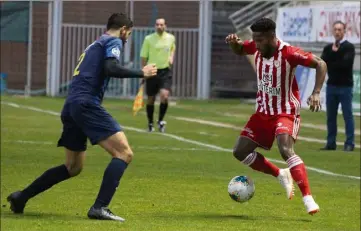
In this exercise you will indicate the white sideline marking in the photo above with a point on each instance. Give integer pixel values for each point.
(207, 134)
(324, 128)
(231, 126)
(306, 125)
(135, 147)
(28, 142)
(214, 147)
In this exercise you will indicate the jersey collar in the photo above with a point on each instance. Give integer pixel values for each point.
(342, 40)
(163, 35)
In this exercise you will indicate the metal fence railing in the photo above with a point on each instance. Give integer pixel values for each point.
(245, 16)
(76, 37)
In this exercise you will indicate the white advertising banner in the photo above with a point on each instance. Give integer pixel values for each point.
(325, 17)
(306, 83)
(295, 24)
(314, 24)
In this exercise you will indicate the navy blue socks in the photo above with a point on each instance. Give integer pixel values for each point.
(111, 179)
(47, 180)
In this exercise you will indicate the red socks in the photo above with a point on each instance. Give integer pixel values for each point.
(299, 174)
(259, 163)
(297, 168)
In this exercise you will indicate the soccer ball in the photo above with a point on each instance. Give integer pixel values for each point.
(241, 188)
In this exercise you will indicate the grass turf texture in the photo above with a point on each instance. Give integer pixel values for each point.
(171, 185)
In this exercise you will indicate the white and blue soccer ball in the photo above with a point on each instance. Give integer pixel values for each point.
(241, 188)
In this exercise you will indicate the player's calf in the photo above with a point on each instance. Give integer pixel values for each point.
(164, 95)
(297, 170)
(244, 152)
(72, 167)
(295, 163)
(117, 146)
(74, 162)
(243, 148)
(150, 112)
(286, 151)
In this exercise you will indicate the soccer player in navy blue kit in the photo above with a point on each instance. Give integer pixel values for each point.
(83, 117)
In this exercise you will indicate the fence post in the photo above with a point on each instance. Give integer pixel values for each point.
(49, 49)
(207, 49)
(56, 44)
(204, 49)
(27, 89)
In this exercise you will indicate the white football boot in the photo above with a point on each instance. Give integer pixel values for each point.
(286, 181)
(310, 204)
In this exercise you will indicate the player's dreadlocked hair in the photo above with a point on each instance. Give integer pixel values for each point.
(118, 20)
(264, 25)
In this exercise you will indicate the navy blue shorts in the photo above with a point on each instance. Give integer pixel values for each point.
(82, 120)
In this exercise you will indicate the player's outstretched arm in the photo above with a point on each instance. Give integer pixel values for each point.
(307, 59)
(314, 101)
(239, 47)
(321, 70)
(235, 44)
(113, 68)
(297, 56)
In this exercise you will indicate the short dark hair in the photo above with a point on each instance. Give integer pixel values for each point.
(165, 23)
(264, 25)
(118, 20)
(340, 22)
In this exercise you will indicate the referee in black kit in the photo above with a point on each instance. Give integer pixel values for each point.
(159, 49)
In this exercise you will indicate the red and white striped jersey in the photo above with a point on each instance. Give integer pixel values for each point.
(277, 86)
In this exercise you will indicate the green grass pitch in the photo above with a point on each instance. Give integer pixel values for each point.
(172, 184)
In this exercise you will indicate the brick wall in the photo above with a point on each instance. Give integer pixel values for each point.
(88, 12)
(177, 14)
(14, 54)
(13, 63)
(40, 45)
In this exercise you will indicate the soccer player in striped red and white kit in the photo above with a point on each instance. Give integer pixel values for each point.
(278, 106)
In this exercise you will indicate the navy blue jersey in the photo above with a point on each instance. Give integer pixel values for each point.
(89, 82)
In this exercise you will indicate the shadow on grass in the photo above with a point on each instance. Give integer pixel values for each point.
(42, 216)
(252, 218)
(223, 217)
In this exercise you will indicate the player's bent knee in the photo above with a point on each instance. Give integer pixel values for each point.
(123, 152)
(164, 95)
(74, 162)
(164, 99)
(117, 146)
(74, 170)
(151, 100)
(126, 155)
(243, 148)
(239, 155)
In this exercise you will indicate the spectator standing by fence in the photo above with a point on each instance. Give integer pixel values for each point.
(339, 57)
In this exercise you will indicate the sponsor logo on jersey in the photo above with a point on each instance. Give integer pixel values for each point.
(277, 63)
(266, 85)
(275, 91)
(116, 52)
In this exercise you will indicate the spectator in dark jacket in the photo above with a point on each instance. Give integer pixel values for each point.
(339, 57)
